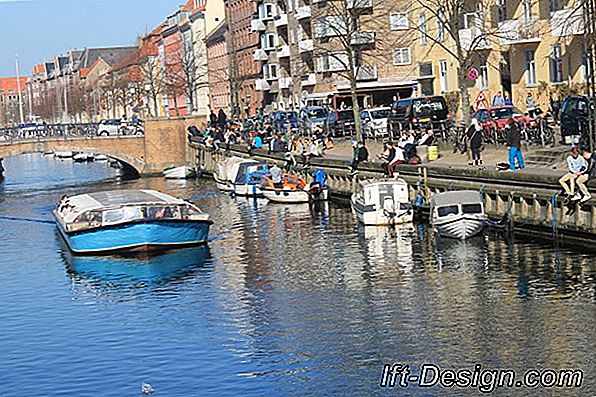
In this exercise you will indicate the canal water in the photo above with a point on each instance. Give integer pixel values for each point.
(284, 301)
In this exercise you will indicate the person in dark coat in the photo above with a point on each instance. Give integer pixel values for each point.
(212, 119)
(514, 144)
(474, 135)
(222, 119)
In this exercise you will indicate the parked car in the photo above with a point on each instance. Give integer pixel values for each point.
(496, 118)
(114, 127)
(413, 113)
(340, 123)
(374, 122)
(312, 117)
(575, 124)
(280, 119)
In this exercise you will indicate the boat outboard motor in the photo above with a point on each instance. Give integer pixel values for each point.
(389, 209)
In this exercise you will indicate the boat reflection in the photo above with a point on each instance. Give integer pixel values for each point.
(461, 253)
(136, 270)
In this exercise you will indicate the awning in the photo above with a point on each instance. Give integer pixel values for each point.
(317, 95)
(378, 85)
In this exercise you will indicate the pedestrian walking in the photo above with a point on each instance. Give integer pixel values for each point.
(474, 137)
(514, 144)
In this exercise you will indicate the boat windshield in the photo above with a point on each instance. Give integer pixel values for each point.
(163, 212)
(472, 208)
(448, 210)
(124, 214)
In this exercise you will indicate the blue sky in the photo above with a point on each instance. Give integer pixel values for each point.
(39, 29)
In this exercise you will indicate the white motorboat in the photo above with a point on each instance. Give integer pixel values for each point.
(248, 177)
(63, 155)
(293, 190)
(382, 202)
(226, 173)
(458, 214)
(101, 157)
(183, 172)
(83, 157)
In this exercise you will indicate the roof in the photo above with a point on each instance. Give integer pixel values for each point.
(111, 55)
(383, 181)
(8, 85)
(456, 197)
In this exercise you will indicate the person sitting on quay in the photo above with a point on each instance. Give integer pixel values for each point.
(360, 155)
(588, 174)
(514, 144)
(576, 165)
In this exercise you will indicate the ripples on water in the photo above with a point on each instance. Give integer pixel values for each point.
(285, 301)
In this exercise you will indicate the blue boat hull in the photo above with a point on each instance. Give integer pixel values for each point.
(139, 236)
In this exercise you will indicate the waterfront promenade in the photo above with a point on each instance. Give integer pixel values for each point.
(529, 198)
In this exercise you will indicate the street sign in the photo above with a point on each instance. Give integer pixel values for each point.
(472, 73)
(481, 101)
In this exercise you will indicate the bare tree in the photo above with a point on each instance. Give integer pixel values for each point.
(152, 78)
(345, 39)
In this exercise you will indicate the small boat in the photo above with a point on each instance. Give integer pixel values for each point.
(101, 157)
(459, 214)
(248, 178)
(129, 221)
(48, 153)
(382, 202)
(293, 189)
(226, 173)
(63, 155)
(83, 157)
(183, 172)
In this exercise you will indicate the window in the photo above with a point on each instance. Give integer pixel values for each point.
(441, 26)
(482, 80)
(472, 208)
(267, 10)
(332, 25)
(399, 21)
(332, 62)
(556, 64)
(448, 210)
(268, 41)
(443, 76)
(530, 68)
(422, 28)
(553, 6)
(502, 10)
(270, 71)
(425, 69)
(584, 67)
(401, 56)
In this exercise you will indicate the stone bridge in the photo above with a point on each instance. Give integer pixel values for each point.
(164, 144)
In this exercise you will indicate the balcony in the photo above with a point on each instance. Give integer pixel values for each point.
(305, 46)
(281, 20)
(568, 22)
(260, 55)
(308, 80)
(303, 12)
(257, 25)
(359, 4)
(366, 73)
(473, 39)
(283, 51)
(285, 83)
(519, 31)
(364, 37)
(262, 85)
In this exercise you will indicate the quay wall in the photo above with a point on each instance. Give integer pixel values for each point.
(531, 200)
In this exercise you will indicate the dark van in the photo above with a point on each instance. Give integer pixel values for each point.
(414, 113)
(575, 119)
(340, 123)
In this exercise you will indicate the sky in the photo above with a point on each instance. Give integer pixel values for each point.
(37, 30)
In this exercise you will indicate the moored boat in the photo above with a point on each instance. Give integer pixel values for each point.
(83, 157)
(63, 155)
(226, 173)
(458, 214)
(101, 157)
(129, 220)
(183, 172)
(382, 202)
(248, 178)
(293, 189)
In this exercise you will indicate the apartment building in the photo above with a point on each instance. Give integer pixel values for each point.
(9, 100)
(401, 48)
(219, 68)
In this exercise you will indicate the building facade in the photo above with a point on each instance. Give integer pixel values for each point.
(9, 101)
(219, 68)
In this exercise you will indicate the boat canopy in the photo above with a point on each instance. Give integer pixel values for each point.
(228, 168)
(456, 197)
(115, 198)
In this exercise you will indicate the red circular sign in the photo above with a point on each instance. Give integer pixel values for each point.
(472, 73)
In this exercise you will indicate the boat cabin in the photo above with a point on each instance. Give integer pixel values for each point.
(250, 173)
(94, 210)
(384, 193)
(465, 202)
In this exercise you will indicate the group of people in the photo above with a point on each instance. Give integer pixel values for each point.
(474, 144)
(581, 165)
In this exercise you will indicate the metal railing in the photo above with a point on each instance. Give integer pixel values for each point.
(81, 130)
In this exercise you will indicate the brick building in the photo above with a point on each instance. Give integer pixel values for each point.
(219, 68)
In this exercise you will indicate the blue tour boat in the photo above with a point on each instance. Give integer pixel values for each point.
(129, 221)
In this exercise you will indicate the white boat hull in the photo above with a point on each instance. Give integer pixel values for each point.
(247, 190)
(183, 172)
(293, 196)
(460, 227)
(373, 217)
(63, 155)
(225, 186)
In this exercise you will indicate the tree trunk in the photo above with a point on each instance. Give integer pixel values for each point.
(463, 91)
(356, 109)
